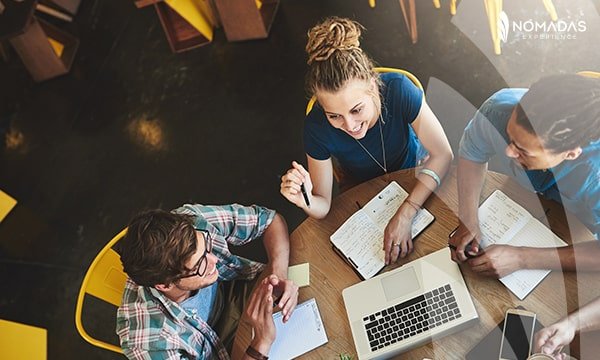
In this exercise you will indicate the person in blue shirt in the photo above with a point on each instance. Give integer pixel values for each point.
(548, 138)
(371, 124)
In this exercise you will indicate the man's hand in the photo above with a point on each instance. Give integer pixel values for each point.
(464, 235)
(286, 293)
(550, 340)
(259, 314)
(497, 261)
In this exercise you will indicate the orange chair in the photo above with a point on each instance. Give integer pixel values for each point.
(105, 280)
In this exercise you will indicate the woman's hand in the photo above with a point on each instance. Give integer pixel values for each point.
(291, 183)
(397, 239)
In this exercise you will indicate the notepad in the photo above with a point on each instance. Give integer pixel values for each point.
(503, 221)
(299, 274)
(303, 332)
(360, 239)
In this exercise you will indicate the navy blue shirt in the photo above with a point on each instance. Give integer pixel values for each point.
(401, 104)
(573, 183)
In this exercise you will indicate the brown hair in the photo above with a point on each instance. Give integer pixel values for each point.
(157, 246)
(563, 110)
(335, 56)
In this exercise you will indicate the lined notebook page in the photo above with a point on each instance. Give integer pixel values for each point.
(303, 332)
(503, 221)
(360, 238)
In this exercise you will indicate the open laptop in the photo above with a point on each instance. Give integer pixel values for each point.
(411, 305)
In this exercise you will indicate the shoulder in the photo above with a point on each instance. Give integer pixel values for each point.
(395, 83)
(502, 101)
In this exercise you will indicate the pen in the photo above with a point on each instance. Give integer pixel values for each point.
(303, 189)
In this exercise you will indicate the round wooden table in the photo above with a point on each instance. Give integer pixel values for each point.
(558, 294)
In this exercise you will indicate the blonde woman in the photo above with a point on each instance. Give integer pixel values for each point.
(371, 124)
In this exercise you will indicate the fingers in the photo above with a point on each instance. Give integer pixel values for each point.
(301, 169)
(394, 253)
(289, 300)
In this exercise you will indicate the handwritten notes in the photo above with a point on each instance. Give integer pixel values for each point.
(503, 221)
(360, 238)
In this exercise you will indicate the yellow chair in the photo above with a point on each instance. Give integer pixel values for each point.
(338, 172)
(104, 280)
(20, 342)
(493, 8)
(592, 74)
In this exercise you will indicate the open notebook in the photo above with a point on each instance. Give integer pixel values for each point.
(360, 239)
(503, 221)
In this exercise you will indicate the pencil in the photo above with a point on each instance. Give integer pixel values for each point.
(303, 189)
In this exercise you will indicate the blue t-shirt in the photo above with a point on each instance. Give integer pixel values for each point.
(204, 304)
(401, 104)
(574, 183)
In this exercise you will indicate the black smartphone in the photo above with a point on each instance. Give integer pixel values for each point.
(517, 335)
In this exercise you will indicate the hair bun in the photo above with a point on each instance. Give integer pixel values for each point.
(333, 34)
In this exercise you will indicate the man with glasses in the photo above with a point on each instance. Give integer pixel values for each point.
(186, 290)
(548, 138)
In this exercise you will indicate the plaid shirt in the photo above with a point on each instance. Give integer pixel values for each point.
(151, 326)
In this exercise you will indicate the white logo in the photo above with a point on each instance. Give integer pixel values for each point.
(503, 27)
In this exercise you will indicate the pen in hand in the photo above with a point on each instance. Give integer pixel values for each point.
(303, 189)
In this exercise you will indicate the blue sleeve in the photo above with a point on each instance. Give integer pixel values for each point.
(407, 96)
(315, 133)
(478, 137)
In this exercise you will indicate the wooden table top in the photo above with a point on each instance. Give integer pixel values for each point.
(554, 297)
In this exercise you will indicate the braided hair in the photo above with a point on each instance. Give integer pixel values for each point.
(563, 110)
(335, 56)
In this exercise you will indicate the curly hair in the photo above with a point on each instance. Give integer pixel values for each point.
(157, 246)
(335, 56)
(563, 110)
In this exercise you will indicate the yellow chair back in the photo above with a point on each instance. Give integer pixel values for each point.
(380, 70)
(592, 74)
(105, 280)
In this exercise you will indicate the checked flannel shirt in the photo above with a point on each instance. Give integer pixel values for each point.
(151, 326)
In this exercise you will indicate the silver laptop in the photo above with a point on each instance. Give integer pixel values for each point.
(409, 306)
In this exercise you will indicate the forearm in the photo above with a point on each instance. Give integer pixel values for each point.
(425, 185)
(319, 206)
(277, 246)
(470, 180)
(582, 256)
(587, 318)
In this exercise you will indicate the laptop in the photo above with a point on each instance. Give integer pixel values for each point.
(409, 306)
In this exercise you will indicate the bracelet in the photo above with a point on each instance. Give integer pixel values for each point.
(413, 204)
(253, 353)
(432, 174)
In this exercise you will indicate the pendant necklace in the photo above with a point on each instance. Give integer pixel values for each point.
(384, 166)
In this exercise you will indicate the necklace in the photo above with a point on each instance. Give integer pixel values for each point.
(384, 166)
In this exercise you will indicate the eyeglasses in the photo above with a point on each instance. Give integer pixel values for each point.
(202, 263)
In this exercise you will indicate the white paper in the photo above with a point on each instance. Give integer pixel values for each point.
(360, 238)
(503, 221)
(303, 332)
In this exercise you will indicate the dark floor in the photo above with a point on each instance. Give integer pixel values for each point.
(135, 126)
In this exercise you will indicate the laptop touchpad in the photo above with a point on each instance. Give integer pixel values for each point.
(400, 283)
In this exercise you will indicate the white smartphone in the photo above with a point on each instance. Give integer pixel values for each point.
(517, 335)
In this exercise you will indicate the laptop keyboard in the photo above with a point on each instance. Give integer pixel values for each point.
(411, 317)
